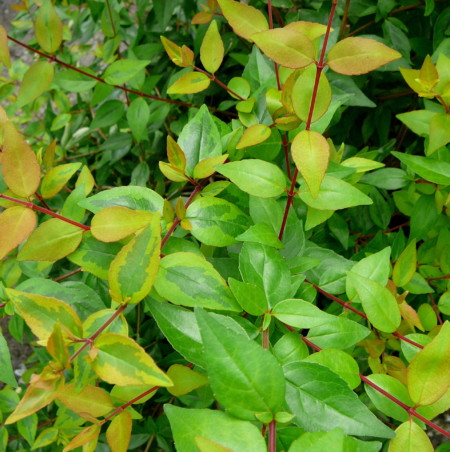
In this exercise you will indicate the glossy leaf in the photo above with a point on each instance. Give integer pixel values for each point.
(123, 70)
(133, 271)
(35, 82)
(118, 434)
(426, 375)
(119, 360)
(245, 378)
(190, 83)
(20, 168)
(378, 302)
(216, 221)
(56, 178)
(244, 19)
(286, 46)
(42, 313)
(355, 56)
(300, 314)
(251, 297)
(16, 224)
(410, 438)
(211, 50)
(311, 151)
(184, 380)
(115, 223)
(255, 177)
(261, 233)
(52, 240)
(329, 402)
(405, 266)
(188, 279)
(48, 27)
(213, 425)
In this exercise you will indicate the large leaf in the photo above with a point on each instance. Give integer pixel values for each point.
(188, 279)
(133, 271)
(245, 378)
(286, 46)
(52, 240)
(42, 313)
(428, 373)
(244, 19)
(118, 434)
(213, 425)
(119, 360)
(378, 302)
(321, 400)
(216, 221)
(255, 177)
(354, 56)
(48, 27)
(35, 82)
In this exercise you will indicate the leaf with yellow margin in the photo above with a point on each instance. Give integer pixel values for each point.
(56, 178)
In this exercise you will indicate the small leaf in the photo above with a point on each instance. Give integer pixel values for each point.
(410, 438)
(310, 29)
(255, 134)
(405, 267)
(311, 151)
(35, 82)
(48, 27)
(244, 19)
(123, 70)
(251, 297)
(261, 233)
(89, 434)
(255, 177)
(118, 434)
(172, 173)
(211, 50)
(52, 240)
(120, 360)
(56, 178)
(20, 168)
(207, 167)
(4, 49)
(175, 154)
(6, 369)
(355, 56)
(190, 83)
(134, 269)
(138, 115)
(184, 380)
(16, 224)
(427, 374)
(286, 47)
(300, 313)
(115, 223)
(173, 51)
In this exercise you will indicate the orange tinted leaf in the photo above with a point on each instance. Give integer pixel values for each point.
(173, 50)
(190, 83)
(16, 224)
(85, 436)
(48, 27)
(211, 50)
(118, 434)
(244, 19)
(354, 56)
(202, 17)
(4, 49)
(286, 46)
(35, 81)
(56, 178)
(172, 173)
(20, 167)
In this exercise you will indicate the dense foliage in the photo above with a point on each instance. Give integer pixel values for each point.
(225, 225)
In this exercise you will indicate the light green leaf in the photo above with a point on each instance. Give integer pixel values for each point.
(410, 438)
(261, 233)
(439, 132)
(251, 298)
(190, 83)
(4, 49)
(6, 369)
(48, 27)
(300, 314)
(184, 379)
(35, 82)
(123, 70)
(418, 121)
(56, 178)
(255, 134)
(405, 267)
(211, 50)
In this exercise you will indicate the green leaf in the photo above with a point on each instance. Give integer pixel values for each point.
(387, 178)
(200, 139)
(286, 46)
(184, 380)
(395, 388)
(133, 271)
(244, 19)
(327, 400)
(410, 438)
(123, 70)
(433, 170)
(300, 313)
(118, 434)
(339, 362)
(290, 348)
(207, 167)
(418, 121)
(426, 373)
(311, 151)
(119, 360)
(261, 233)
(378, 302)
(405, 267)
(211, 50)
(52, 240)
(251, 298)
(190, 83)
(108, 114)
(4, 49)
(302, 94)
(188, 279)
(355, 56)
(74, 82)
(137, 198)
(48, 27)
(138, 115)
(255, 134)
(266, 268)
(439, 132)
(181, 329)
(55, 179)
(334, 194)
(35, 82)
(255, 177)
(245, 378)
(46, 437)
(42, 313)
(216, 222)
(6, 369)
(217, 426)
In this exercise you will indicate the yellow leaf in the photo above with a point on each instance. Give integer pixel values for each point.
(85, 436)
(310, 29)
(175, 154)
(428, 75)
(211, 50)
(206, 167)
(4, 49)
(202, 17)
(85, 177)
(172, 173)
(118, 434)
(184, 380)
(410, 438)
(255, 134)
(173, 50)
(20, 167)
(16, 224)
(405, 267)
(56, 178)
(190, 83)
(48, 27)
(35, 82)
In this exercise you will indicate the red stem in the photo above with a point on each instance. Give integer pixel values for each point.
(273, 436)
(214, 79)
(286, 155)
(33, 206)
